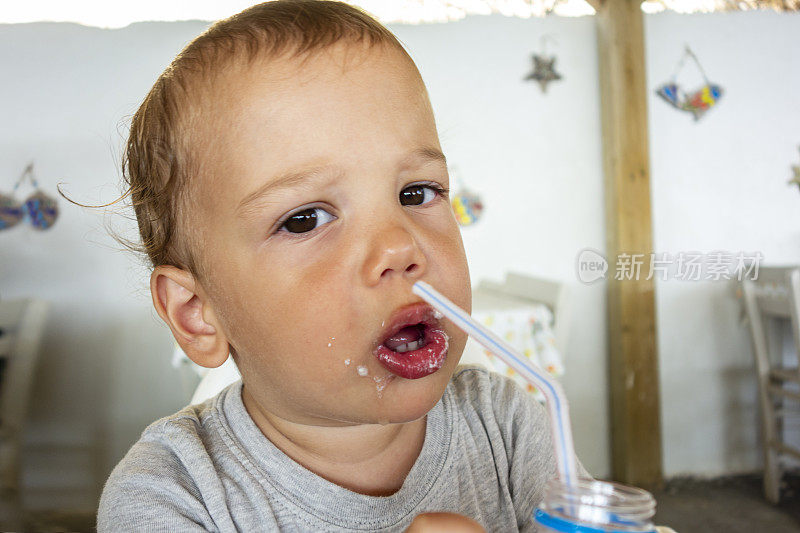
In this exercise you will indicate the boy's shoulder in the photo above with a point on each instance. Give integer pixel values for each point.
(472, 375)
(165, 437)
(494, 403)
(157, 470)
(164, 442)
(474, 386)
(514, 412)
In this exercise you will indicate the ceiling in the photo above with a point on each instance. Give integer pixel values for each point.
(120, 13)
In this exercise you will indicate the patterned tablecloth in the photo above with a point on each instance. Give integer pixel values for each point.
(529, 329)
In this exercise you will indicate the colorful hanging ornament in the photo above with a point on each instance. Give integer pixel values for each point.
(543, 67)
(697, 102)
(702, 100)
(796, 178)
(467, 205)
(40, 208)
(11, 211)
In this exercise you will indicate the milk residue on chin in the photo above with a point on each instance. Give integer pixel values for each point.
(381, 383)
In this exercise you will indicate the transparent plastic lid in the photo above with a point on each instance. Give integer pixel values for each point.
(596, 507)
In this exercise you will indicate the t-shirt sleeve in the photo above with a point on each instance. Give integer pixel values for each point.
(151, 490)
(525, 426)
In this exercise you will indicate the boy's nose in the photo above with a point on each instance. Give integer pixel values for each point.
(394, 253)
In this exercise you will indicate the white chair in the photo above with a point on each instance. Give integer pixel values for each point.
(775, 295)
(517, 290)
(22, 325)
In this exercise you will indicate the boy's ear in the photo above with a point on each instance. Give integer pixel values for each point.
(181, 303)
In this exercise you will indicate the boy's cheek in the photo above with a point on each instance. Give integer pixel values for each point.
(457, 284)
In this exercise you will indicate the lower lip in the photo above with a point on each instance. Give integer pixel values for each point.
(417, 363)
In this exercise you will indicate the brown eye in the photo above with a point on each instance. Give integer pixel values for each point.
(417, 195)
(307, 220)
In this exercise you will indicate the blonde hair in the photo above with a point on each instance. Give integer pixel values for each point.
(159, 160)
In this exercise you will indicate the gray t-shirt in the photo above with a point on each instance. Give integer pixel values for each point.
(487, 455)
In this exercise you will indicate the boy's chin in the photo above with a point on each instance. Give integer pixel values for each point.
(409, 400)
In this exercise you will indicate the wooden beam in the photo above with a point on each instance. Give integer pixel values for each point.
(596, 4)
(633, 362)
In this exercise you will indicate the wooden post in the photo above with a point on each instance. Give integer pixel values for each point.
(633, 362)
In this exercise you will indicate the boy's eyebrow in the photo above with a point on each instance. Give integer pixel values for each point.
(284, 181)
(427, 155)
(295, 178)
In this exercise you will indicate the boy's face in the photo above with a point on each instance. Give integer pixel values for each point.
(317, 212)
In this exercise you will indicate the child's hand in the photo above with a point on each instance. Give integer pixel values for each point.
(444, 523)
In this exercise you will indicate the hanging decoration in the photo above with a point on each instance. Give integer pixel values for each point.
(796, 178)
(39, 208)
(467, 205)
(696, 102)
(543, 66)
(11, 211)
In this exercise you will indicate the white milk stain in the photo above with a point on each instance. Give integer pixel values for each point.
(362, 371)
(331, 341)
(347, 362)
(381, 383)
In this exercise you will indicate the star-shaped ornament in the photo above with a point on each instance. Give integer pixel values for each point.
(796, 179)
(543, 71)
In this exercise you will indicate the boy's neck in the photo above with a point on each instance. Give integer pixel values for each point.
(369, 459)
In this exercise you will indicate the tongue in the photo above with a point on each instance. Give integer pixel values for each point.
(407, 334)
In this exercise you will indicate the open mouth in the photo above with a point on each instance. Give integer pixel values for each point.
(407, 339)
(414, 343)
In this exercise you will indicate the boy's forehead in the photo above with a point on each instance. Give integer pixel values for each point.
(289, 98)
(241, 80)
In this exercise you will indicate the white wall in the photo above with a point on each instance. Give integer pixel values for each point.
(720, 184)
(105, 371)
(536, 159)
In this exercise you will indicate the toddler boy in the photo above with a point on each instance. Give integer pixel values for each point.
(290, 187)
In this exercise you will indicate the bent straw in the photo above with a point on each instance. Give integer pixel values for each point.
(556, 401)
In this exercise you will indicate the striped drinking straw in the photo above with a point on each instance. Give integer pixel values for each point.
(553, 393)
